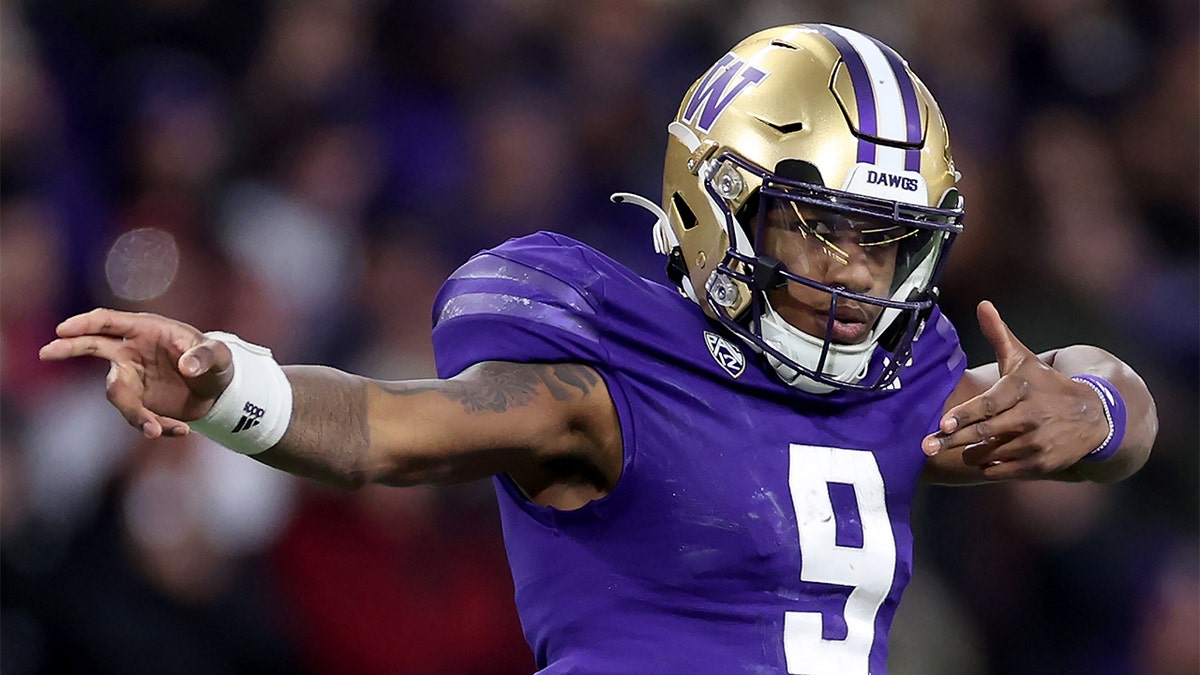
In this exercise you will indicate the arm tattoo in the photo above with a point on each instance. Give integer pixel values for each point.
(582, 378)
(500, 386)
(329, 431)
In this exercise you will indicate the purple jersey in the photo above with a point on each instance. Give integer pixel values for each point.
(755, 528)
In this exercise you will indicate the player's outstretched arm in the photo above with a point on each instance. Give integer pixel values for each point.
(528, 420)
(1030, 416)
(540, 423)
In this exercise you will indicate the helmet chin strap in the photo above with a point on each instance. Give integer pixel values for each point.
(843, 363)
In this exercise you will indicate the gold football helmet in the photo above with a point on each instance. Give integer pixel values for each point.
(823, 134)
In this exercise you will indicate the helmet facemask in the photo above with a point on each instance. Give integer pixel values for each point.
(850, 273)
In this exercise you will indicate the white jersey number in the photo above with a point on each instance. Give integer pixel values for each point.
(867, 571)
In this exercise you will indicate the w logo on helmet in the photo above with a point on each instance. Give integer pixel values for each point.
(715, 93)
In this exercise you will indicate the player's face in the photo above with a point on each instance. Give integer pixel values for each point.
(857, 253)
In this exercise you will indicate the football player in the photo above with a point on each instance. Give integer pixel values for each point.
(711, 477)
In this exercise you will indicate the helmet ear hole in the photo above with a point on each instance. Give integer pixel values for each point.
(687, 218)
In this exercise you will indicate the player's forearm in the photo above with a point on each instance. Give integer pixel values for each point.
(1142, 416)
(492, 418)
(350, 431)
(327, 438)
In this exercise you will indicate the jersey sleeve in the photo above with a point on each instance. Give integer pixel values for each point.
(940, 352)
(532, 299)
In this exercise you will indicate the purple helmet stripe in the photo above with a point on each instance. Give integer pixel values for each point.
(864, 95)
(912, 113)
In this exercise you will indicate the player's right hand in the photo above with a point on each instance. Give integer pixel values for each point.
(163, 373)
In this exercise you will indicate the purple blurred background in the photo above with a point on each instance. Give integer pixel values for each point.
(305, 173)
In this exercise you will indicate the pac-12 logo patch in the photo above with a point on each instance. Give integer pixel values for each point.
(726, 354)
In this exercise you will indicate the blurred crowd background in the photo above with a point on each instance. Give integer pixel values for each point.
(306, 172)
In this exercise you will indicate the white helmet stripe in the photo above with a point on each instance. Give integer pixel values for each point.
(890, 113)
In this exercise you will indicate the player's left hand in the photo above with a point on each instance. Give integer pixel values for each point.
(1032, 422)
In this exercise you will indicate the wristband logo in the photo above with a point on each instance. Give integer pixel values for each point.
(251, 416)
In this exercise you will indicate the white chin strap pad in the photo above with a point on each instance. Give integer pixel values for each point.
(843, 363)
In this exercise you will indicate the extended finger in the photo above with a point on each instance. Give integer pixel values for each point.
(123, 388)
(999, 460)
(1010, 351)
(169, 426)
(996, 450)
(1001, 396)
(87, 345)
(99, 322)
(998, 471)
(1007, 423)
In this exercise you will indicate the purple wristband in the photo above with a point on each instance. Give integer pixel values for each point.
(1114, 412)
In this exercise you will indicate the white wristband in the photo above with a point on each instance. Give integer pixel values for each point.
(255, 409)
